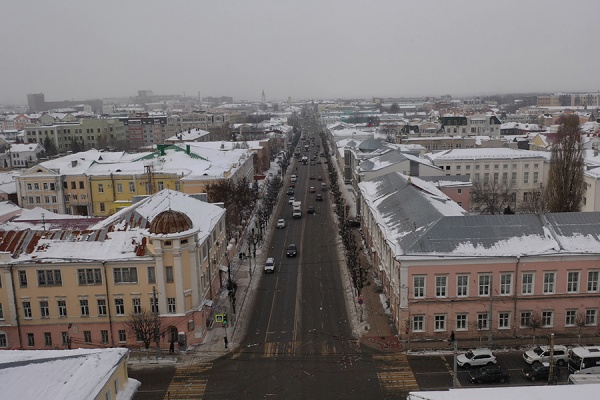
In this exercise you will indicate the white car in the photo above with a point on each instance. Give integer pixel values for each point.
(280, 223)
(542, 354)
(270, 265)
(291, 200)
(476, 358)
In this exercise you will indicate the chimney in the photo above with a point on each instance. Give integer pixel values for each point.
(73, 163)
(187, 149)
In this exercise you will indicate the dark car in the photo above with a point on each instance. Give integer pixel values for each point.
(310, 210)
(319, 197)
(312, 178)
(539, 371)
(489, 374)
(290, 191)
(291, 250)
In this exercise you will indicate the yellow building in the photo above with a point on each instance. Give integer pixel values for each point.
(62, 288)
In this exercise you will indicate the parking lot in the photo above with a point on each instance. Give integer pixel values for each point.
(433, 371)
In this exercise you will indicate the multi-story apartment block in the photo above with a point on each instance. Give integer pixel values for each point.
(202, 120)
(495, 275)
(88, 133)
(525, 170)
(161, 255)
(101, 183)
(144, 130)
(472, 125)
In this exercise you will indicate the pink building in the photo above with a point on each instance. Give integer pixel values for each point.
(446, 271)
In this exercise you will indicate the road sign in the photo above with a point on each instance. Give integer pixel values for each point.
(219, 317)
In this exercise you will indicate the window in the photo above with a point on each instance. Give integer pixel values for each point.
(441, 286)
(151, 275)
(85, 309)
(592, 281)
(418, 323)
(102, 207)
(120, 307)
(169, 274)
(525, 177)
(89, 276)
(462, 285)
(101, 307)
(122, 335)
(23, 279)
(104, 336)
(536, 177)
(30, 340)
(484, 285)
(154, 305)
(100, 188)
(570, 317)
(26, 309)
(573, 282)
(49, 277)
(513, 177)
(482, 322)
(65, 338)
(44, 309)
(439, 322)
(505, 177)
(505, 284)
(462, 322)
(419, 286)
(119, 188)
(87, 336)
(161, 185)
(62, 308)
(125, 275)
(527, 283)
(547, 317)
(131, 187)
(137, 305)
(549, 282)
(590, 317)
(48, 338)
(1, 312)
(3, 340)
(171, 305)
(525, 319)
(81, 185)
(73, 185)
(504, 320)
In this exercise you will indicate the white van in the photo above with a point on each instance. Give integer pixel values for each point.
(270, 265)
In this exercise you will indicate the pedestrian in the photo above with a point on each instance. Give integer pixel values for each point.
(451, 338)
(172, 347)
(225, 341)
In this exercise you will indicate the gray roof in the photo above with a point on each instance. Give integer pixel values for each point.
(370, 145)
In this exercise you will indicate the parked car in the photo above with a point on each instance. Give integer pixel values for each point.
(311, 189)
(319, 178)
(290, 191)
(312, 178)
(319, 197)
(280, 223)
(270, 265)
(490, 374)
(476, 358)
(291, 200)
(539, 371)
(291, 251)
(310, 210)
(542, 354)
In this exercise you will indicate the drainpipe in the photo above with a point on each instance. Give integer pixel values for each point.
(12, 283)
(515, 297)
(110, 326)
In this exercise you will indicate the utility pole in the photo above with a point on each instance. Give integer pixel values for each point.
(551, 380)
(156, 333)
(491, 325)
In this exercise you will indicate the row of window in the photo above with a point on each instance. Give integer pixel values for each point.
(92, 276)
(528, 319)
(160, 186)
(47, 336)
(505, 285)
(45, 185)
(84, 307)
(487, 166)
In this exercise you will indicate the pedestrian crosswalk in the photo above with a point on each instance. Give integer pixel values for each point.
(295, 348)
(189, 382)
(279, 349)
(394, 373)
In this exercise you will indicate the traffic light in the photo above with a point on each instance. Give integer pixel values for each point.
(224, 319)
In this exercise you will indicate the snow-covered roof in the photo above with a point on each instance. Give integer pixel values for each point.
(486, 153)
(61, 374)
(548, 392)
(24, 147)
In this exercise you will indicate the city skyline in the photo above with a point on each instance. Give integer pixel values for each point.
(309, 50)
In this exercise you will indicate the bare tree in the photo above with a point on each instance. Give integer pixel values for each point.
(492, 197)
(565, 178)
(534, 202)
(581, 323)
(534, 322)
(144, 326)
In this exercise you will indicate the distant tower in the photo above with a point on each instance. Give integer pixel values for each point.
(289, 101)
(263, 98)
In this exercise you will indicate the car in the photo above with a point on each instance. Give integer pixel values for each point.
(539, 371)
(291, 251)
(476, 358)
(293, 178)
(312, 177)
(310, 210)
(319, 178)
(353, 223)
(280, 223)
(291, 200)
(270, 265)
(312, 189)
(292, 185)
(490, 374)
(319, 197)
(542, 354)
(296, 214)
(290, 191)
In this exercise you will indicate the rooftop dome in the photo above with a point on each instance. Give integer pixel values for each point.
(170, 221)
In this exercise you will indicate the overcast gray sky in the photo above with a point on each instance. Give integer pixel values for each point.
(79, 49)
